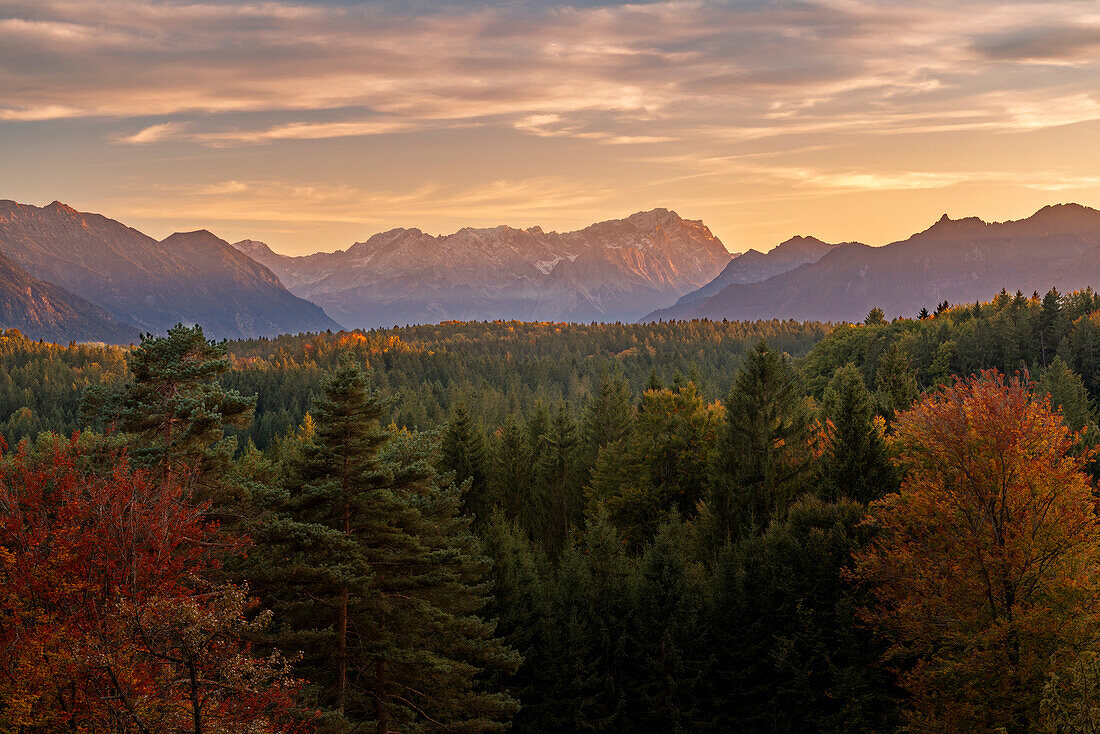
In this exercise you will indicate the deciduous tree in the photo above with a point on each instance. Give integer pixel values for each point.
(984, 567)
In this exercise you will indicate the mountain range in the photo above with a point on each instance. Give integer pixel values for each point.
(139, 283)
(954, 260)
(67, 275)
(614, 270)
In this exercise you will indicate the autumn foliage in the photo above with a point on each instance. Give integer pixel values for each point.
(107, 621)
(984, 569)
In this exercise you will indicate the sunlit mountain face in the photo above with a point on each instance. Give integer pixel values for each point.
(309, 125)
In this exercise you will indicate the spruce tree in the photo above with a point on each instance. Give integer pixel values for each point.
(608, 417)
(1067, 393)
(1052, 325)
(854, 463)
(896, 385)
(510, 469)
(665, 637)
(762, 458)
(435, 654)
(374, 574)
(557, 479)
(463, 451)
(520, 593)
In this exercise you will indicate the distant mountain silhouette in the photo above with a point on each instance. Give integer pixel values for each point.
(615, 270)
(45, 311)
(753, 266)
(960, 260)
(191, 277)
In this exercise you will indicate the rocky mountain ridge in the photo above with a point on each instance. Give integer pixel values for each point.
(614, 270)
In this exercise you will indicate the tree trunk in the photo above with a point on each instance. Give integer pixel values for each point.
(342, 634)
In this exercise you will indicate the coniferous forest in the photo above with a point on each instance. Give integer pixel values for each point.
(472, 527)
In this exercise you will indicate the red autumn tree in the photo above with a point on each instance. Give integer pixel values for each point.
(985, 565)
(107, 623)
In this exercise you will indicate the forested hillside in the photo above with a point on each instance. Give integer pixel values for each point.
(693, 526)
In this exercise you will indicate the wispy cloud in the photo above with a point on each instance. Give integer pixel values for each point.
(764, 67)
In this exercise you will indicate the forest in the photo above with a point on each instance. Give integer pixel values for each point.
(473, 527)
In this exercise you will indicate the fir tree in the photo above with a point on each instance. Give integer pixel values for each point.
(762, 458)
(463, 452)
(854, 463)
(608, 417)
(376, 577)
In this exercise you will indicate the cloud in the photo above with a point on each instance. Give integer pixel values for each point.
(155, 133)
(1044, 43)
(266, 200)
(605, 72)
(290, 131)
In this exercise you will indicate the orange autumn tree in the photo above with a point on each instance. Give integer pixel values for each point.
(107, 621)
(985, 566)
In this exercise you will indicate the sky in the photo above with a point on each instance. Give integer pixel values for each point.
(311, 125)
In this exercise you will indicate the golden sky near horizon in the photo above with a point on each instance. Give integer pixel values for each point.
(313, 124)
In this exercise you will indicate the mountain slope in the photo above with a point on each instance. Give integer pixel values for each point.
(45, 311)
(193, 277)
(614, 270)
(751, 267)
(954, 260)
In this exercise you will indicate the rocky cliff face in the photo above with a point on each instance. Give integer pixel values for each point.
(191, 277)
(614, 270)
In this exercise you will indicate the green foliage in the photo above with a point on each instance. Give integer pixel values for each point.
(854, 463)
(173, 413)
(463, 453)
(376, 577)
(762, 459)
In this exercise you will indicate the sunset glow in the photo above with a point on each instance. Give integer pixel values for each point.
(311, 125)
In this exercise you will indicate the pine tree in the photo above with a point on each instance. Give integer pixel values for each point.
(338, 521)
(762, 457)
(854, 463)
(463, 452)
(173, 414)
